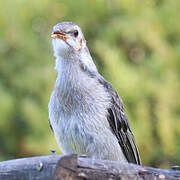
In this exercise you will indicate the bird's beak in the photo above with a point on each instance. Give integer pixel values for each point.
(58, 34)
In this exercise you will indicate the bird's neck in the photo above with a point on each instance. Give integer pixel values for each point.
(68, 73)
(81, 58)
(74, 73)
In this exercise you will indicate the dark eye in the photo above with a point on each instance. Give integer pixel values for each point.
(76, 33)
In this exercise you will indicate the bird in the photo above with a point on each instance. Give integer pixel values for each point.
(86, 114)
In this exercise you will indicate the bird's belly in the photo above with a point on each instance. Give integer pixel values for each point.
(76, 138)
(71, 136)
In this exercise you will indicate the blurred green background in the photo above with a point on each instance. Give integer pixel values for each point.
(136, 46)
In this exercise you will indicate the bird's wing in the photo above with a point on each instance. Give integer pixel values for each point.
(120, 125)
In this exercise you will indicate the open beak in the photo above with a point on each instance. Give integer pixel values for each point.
(58, 34)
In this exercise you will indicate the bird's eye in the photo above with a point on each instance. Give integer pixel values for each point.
(76, 33)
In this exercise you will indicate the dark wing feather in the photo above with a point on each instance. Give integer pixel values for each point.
(120, 125)
(50, 125)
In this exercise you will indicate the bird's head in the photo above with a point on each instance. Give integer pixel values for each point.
(67, 38)
(69, 44)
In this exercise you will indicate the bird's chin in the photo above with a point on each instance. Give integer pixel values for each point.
(61, 47)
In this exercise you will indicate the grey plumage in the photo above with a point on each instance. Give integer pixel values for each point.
(85, 112)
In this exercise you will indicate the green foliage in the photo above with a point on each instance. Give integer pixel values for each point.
(136, 46)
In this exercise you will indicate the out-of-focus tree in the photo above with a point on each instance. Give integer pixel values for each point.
(136, 46)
